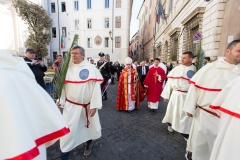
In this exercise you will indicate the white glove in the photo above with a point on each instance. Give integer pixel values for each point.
(109, 81)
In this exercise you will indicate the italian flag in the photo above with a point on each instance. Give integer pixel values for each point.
(62, 43)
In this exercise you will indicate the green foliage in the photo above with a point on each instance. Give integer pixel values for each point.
(200, 57)
(61, 74)
(173, 57)
(39, 24)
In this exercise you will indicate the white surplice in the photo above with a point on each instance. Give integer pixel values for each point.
(30, 121)
(205, 86)
(82, 86)
(226, 145)
(175, 91)
(130, 102)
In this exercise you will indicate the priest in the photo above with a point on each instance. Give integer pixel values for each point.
(29, 118)
(126, 96)
(175, 92)
(153, 82)
(227, 106)
(205, 86)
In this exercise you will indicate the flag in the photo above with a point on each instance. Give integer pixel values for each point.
(62, 43)
(159, 11)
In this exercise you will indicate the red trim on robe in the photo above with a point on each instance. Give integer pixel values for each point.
(181, 77)
(206, 89)
(91, 79)
(234, 114)
(34, 152)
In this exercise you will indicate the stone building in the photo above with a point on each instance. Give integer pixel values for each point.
(216, 22)
(146, 17)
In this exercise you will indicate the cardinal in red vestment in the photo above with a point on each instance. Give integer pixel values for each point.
(154, 82)
(129, 94)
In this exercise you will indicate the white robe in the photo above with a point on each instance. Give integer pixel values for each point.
(29, 119)
(175, 91)
(205, 86)
(82, 86)
(130, 102)
(226, 145)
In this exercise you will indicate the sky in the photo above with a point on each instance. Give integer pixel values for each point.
(134, 21)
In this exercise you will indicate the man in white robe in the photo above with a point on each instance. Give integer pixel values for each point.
(176, 90)
(205, 86)
(227, 106)
(80, 100)
(29, 118)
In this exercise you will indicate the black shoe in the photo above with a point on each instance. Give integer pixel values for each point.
(88, 149)
(188, 155)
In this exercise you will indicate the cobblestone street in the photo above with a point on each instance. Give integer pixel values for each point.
(139, 135)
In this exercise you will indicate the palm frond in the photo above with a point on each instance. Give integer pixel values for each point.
(200, 56)
(60, 75)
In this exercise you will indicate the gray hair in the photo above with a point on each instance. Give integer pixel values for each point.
(81, 49)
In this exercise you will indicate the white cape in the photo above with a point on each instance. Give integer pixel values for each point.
(29, 118)
(177, 87)
(227, 106)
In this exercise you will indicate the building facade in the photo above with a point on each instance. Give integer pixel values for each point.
(13, 30)
(189, 22)
(133, 47)
(102, 26)
(147, 29)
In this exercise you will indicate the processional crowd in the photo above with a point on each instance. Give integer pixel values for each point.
(202, 105)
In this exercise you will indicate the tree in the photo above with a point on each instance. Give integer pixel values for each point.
(39, 25)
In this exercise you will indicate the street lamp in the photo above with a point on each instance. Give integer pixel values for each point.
(110, 34)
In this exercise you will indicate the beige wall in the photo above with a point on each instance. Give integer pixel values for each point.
(231, 24)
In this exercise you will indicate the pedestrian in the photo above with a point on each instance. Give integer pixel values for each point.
(81, 100)
(29, 119)
(227, 107)
(104, 68)
(92, 61)
(142, 72)
(205, 86)
(175, 93)
(154, 82)
(37, 66)
(112, 70)
(207, 60)
(57, 63)
(126, 96)
(118, 70)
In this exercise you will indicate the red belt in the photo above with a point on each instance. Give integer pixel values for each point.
(182, 91)
(84, 106)
(212, 113)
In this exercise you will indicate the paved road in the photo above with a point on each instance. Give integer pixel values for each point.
(139, 135)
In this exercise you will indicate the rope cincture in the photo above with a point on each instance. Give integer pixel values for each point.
(85, 107)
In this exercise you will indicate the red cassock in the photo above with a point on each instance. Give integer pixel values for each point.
(154, 86)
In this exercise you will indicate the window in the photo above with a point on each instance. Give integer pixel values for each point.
(118, 3)
(170, 6)
(64, 31)
(89, 23)
(106, 42)
(76, 24)
(63, 7)
(118, 22)
(64, 54)
(75, 5)
(89, 4)
(106, 22)
(54, 55)
(53, 7)
(54, 32)
(89, 43)
(117, 42)
(106, 3)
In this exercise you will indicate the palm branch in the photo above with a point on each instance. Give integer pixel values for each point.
(200, 56)
(60, 75)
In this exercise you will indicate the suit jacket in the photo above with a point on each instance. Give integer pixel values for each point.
(139, 70)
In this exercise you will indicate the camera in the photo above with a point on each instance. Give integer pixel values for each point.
(38, 58)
